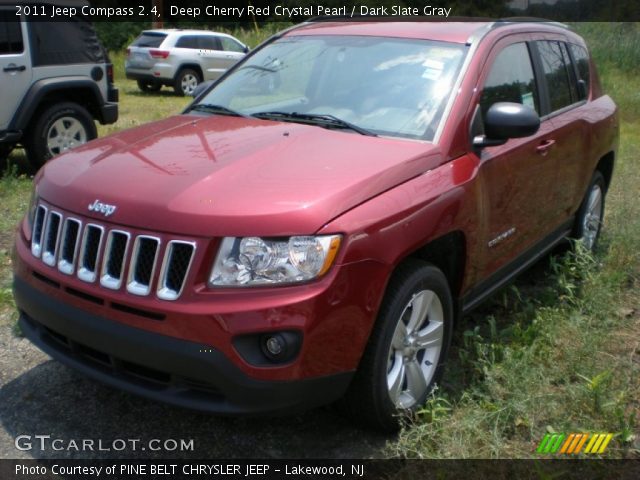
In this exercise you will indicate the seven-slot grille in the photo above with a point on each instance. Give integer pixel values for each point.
(77, 248)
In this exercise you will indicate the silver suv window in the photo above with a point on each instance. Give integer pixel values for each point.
(149, 39)
(188, 41)
(10, 34)
(230, 45)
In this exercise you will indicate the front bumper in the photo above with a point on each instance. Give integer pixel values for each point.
(159, 73)
(160, 367)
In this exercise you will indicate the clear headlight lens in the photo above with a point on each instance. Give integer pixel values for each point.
(249, 261)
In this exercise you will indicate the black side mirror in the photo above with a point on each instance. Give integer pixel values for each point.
(201, 88)
(246, 49)
(505, 120)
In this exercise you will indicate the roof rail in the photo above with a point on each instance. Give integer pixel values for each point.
(531, 19)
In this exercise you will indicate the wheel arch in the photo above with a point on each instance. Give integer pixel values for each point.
(448, 254)
(605, 166)
(46, 92)
(193, 66)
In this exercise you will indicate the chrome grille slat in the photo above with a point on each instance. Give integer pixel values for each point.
(51, 238)
(143, 264)
(113, 261)
(38, 228)
(69, 245)
(77, 248)
(91, 242)
(175, 268)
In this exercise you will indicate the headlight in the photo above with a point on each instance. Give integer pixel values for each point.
(249, 261)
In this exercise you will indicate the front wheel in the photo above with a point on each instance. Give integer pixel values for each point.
(588, 223)
(407, 348)
(57, 129)
(186, 82)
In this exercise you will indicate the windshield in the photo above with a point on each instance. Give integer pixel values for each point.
(385, 86)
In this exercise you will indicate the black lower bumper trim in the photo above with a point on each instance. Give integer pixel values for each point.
(157, 366)
(109, 113)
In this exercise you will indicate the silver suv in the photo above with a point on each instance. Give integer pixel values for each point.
(55, 80)
(181, 58)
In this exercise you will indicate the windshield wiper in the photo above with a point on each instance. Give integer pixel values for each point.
(219, 109)
(258, 67)
(321, 119)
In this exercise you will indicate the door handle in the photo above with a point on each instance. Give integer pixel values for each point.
(545, 146)
(14, 68)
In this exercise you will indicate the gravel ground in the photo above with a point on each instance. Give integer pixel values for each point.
(39, 396)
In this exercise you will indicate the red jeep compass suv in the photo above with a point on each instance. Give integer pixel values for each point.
(313, 224)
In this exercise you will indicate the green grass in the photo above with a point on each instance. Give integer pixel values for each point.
(558, 351)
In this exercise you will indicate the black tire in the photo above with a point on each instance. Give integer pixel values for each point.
(148, 86)
(368, 399)
(186, 82)
(588, 222)
(39, 143)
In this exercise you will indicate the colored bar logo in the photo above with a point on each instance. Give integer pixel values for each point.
(573, 443)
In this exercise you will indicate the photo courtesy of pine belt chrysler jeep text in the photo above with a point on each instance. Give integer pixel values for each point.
(313, 224)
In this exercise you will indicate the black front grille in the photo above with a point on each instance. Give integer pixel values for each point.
(145, 259)
(91, 247)
(116, 250)
(179, 260)
(70, 241)
(76, 248)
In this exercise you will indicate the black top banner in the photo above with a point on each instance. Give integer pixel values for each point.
(175, 12)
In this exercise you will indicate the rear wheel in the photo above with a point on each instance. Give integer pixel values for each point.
(59, 128)
(186, 82)
(405, 355)
(148, 86)
(589, 219)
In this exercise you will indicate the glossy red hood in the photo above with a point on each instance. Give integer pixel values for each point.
(218, 175)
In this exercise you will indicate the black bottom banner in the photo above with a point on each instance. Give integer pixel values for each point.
(317, 469)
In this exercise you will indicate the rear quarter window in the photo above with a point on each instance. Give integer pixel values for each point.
(581, 58)
(149, 39)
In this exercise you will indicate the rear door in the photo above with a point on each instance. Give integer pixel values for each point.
(567, 111)
(15, 65)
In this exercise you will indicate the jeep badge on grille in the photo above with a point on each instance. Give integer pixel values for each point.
(104, 208)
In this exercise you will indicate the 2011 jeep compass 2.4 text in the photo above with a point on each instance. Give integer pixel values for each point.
(312, 225)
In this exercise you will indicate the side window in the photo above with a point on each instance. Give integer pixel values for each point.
(556, 67)
(230, 45)
(187, 41)
(581, 57)
(209, 42)
(10, 34)
(511, 79)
